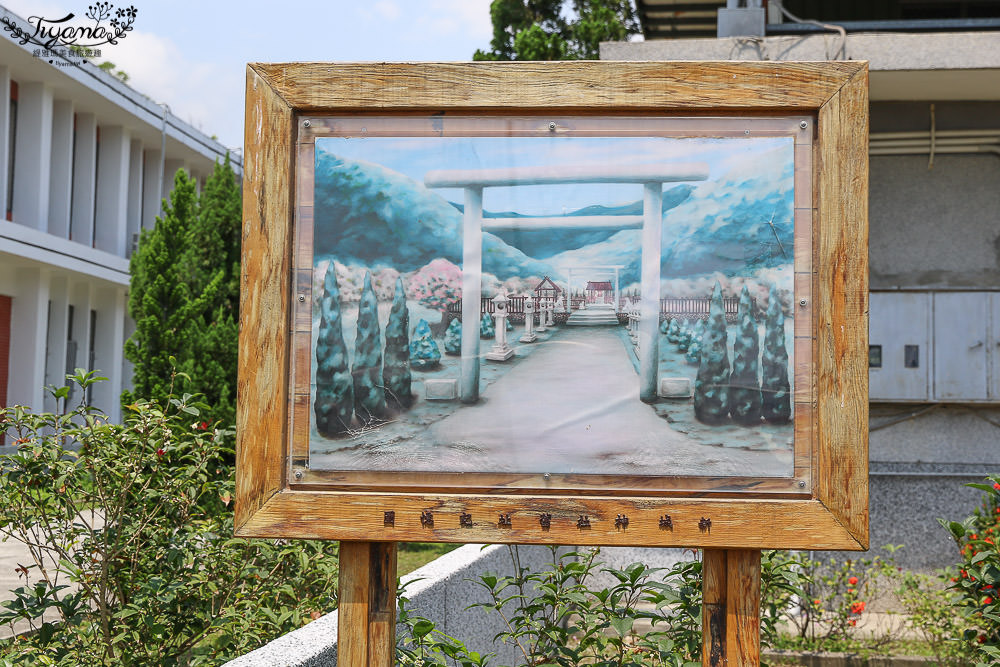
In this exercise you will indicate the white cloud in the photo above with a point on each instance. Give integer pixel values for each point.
(197, 92)
(387, 9)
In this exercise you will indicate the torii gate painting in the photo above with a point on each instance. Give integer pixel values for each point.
(432, 351)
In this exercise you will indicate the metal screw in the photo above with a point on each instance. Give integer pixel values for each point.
(306, 123)
(302, 298)
(803, 124)
(746, 131)
(803, 302)
(802, 484)
(298, 474)
(552, 127)
(547, 476)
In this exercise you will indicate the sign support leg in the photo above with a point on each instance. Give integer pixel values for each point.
(366, 621)
(730, 613)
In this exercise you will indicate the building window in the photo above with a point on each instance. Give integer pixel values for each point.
(92, 354)
(11, 141)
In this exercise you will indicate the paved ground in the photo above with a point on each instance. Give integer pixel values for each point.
(574, 407)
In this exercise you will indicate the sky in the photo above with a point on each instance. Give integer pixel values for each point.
(415, 156)
(192, 55)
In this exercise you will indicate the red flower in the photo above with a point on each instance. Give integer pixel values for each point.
(853, 622)
(987, 600)
(161, 451)
(203, 426)
(853, 581)
(996, 485)
(858, 607)
(817, 602)
(974, 536)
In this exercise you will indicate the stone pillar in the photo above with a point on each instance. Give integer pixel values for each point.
(55, 343)
(541, 316)
(5, 137)
(550, 310)
(501, 350)
(110, 223)
(109, 332)
(472, 266)
(529, 320)
(28, 333)
(32, 152)
(152, 187)
(649, 308)
(133, 208)
(618, 295)
(61, 169)
(84, 180)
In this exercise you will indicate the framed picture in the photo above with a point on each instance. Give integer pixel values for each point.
(576, 303)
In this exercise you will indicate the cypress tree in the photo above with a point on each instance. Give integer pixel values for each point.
(744, 395)
(396, 368)
(213, 263)
(453, 338)
(334, 388)
(168, 317)
(369, 395)
(711, 386)
(776, 404)
(424, 352)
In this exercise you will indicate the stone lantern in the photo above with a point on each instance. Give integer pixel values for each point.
(529, 320)
(501, 350)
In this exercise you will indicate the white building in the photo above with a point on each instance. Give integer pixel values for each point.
(85, 161)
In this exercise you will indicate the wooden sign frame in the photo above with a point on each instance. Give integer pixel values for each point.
(274, 499)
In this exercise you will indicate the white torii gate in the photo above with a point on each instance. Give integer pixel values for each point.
(650, 176)
(597, 271)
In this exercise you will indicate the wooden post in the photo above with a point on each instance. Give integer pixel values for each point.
(730, 613)
(366, 621)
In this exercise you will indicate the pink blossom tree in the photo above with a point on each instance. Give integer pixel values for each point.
(437, 285)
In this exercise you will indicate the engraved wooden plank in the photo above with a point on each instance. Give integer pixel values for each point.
(595, 86)
(777, 523)
(841, 363)
(263, 342)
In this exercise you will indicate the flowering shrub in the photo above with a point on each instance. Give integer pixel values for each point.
(128, 528)
(436, 285)
(978, 578)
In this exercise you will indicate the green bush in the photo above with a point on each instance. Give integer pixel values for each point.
(129, 530)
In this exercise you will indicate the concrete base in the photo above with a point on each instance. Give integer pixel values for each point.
(675, 387)
(441, 390)
(500, 353)
(528, 338)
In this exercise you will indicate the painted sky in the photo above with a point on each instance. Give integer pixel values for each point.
(415, 156)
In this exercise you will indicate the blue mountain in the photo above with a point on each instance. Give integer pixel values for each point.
(368, 214)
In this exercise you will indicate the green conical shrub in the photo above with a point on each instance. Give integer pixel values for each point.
(453, 338)
(334, 389)
(744, 393)
(693, 354)
(369, 395)
(776, 406)
(711, 386)
(396, 367)
(424, 352)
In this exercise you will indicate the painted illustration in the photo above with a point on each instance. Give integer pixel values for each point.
(553, 304)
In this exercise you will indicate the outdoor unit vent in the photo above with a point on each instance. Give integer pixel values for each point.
(934, 346)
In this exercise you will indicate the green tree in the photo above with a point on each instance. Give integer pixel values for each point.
(168, 314)
(213, 262)
(487, 329)
(334, 387)
(396, 367)
(369, 395)
(711, 386)
(557, 29)
(184, 294)
(744, 394)
(776, 404)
